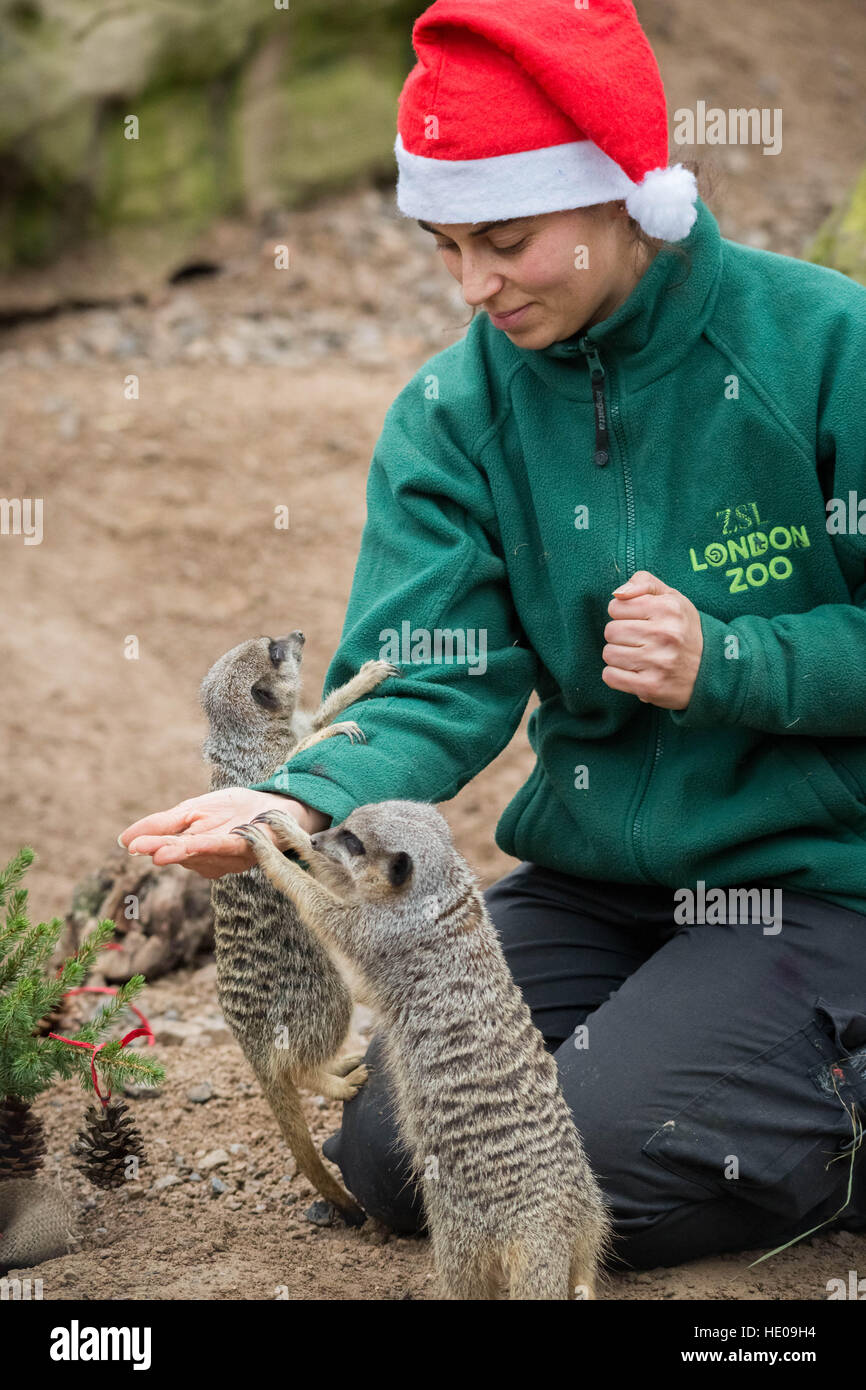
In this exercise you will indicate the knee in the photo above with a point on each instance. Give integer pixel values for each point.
(370, 1155)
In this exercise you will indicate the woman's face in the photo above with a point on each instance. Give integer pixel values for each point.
(561, 270)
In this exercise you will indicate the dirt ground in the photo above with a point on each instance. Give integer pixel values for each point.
(257, 388)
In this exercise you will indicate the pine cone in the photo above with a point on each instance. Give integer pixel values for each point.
(107, 1140)
(22, 1141)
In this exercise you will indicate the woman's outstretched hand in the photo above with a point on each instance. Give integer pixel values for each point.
(197, 833)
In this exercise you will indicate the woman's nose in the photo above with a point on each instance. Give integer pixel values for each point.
(479, 284)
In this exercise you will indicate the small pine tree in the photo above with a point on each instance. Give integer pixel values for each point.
(29, 1062)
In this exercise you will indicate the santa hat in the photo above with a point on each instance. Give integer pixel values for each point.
(517, 107)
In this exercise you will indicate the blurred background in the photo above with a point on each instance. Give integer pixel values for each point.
(207, 303)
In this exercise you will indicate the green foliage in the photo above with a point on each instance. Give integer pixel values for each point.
(30, 1063)
(841, 242)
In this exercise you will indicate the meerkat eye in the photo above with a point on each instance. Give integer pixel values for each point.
(352, 843)
(399, 868)
(264, 696)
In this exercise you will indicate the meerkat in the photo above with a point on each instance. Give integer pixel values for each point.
(512, 1206)
(280, 992)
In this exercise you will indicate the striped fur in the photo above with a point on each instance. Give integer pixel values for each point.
(280, 992)
(512, 1205)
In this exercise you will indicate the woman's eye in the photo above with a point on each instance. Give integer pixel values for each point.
(504, 250)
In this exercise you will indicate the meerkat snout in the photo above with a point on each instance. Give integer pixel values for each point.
(279, 647)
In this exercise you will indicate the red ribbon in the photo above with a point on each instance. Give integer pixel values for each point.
(144, 1032)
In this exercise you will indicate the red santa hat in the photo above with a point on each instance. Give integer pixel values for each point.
(517, 107)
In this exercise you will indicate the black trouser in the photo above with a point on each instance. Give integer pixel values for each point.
(713, 1070)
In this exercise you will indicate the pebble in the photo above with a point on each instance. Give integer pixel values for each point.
(217, 1158)
(137, 1092)
(161, 1184)
(201, 1093)
(217, 1187)
(69, 425)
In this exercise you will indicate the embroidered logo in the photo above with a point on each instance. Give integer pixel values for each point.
(741, 525)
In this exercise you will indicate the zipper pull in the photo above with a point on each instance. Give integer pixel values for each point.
(596, 376)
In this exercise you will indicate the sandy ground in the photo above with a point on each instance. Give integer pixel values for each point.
(260, 388)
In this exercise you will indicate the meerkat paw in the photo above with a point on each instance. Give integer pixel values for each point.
(355, 1079)
(343, 1065)
(376, 671)
(353, 731)
(335, 1087)
(268, 857)
(287, 833)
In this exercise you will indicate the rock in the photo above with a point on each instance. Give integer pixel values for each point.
(321, 1213)
(215, 1026)
(200, 1094)
(217, 1187)
(173, 1032)
(137, 1092)
(173, 919)
(161, 1184)
(217, 1158)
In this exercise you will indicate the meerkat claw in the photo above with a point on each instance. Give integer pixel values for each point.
(248, 833)
(382, 669)
(289, 835)
(353, 731)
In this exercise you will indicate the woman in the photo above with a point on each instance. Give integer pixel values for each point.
(614, 490)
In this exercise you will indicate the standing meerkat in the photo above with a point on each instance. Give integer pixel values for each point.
(511, 1203)
(280, 992)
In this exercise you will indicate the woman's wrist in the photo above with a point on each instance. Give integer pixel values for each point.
(307, 817)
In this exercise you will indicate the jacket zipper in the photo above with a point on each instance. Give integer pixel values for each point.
(596, 376)
(601, 458)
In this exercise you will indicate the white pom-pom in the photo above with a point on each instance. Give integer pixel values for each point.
(664, 202)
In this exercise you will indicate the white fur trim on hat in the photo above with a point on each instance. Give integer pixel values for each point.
(572, 175)
(664, 202)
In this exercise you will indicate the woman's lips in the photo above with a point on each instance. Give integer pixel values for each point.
(507, 320)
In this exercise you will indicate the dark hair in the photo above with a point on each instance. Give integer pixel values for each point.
(707, 177)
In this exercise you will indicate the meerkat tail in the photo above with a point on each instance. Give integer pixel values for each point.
(285, 1101)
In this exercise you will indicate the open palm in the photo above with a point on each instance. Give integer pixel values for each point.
(197, 832)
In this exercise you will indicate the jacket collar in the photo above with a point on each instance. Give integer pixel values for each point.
(652, 330)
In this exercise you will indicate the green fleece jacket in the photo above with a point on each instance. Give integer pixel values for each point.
(712, 430)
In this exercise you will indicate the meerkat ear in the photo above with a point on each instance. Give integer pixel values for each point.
(399, 868)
